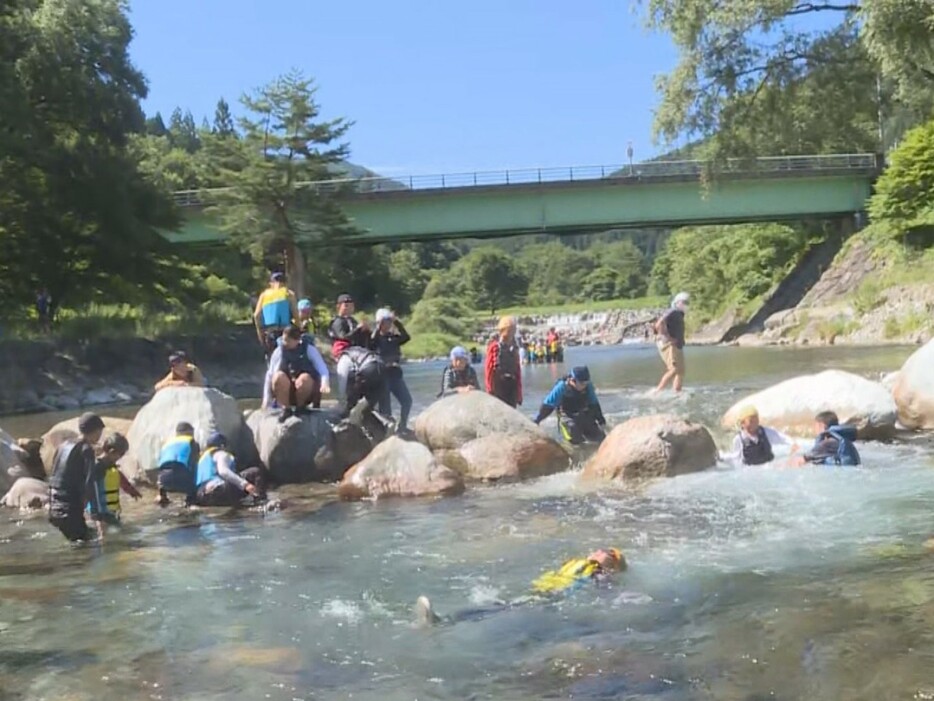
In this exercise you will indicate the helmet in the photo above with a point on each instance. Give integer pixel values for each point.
(304, 304)
(459, 352)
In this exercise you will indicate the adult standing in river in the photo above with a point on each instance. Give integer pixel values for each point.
(387, 340)
(669, 330)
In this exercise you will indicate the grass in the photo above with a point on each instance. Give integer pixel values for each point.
(830, 329)
(128, 321)
(911, 323)
(432, 345)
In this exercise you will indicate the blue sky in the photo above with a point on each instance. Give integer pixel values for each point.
(432, 86)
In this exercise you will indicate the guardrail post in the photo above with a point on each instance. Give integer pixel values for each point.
(602, 171)
(475, 178)
(507, 177)
(442, 181)
(539, 175)
(571, 173)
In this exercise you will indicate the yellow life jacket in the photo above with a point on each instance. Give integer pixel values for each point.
(112, 489)
(569, 574)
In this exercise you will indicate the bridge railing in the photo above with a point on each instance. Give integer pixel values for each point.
(862, 162)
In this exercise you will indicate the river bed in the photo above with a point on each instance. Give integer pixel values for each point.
(757, 583)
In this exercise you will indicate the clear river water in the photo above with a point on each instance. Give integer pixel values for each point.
(755, 583)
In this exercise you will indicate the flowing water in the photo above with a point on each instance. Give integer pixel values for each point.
(756, 583)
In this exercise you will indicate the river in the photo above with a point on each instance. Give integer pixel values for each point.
(758, 583)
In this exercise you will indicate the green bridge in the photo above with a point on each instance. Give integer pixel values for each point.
(582, 199)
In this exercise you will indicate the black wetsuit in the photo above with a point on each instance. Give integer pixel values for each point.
(72, 485)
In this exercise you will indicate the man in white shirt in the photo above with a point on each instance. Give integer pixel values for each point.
(754, 443)
(297, 374)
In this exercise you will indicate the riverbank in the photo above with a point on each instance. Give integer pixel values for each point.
(62, 374)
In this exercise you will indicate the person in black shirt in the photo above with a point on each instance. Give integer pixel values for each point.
(670, 341)
(387, 340)
(346, 332)
(73, 483)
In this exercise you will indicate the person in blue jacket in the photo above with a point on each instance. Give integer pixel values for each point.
(580, 417)
(178, 463)
(833, 445)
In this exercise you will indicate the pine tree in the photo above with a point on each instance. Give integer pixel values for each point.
(155, 125)
(272, 208)
(223, 121)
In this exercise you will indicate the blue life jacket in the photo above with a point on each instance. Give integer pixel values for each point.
(276, 308)
(207, 467)
(179, 450)
(846, 454)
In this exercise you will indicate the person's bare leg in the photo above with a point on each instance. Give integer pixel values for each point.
(666, 378)
(281, 389)
(304, 389)
(679, 381)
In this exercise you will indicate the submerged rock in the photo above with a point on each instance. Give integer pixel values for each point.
(483, 438)
(68, 430)
(26, 493)
(399, 468)
(661, 445)
(791, 405)
(914, 389)
(507, 457)
(205, 408)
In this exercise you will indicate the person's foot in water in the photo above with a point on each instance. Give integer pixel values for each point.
(424, 613)
(162, 499)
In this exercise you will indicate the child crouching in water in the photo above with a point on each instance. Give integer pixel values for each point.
(833, 445)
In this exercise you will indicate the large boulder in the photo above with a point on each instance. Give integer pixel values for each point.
(205, 408)
(399, 468)
(914, 389)
(26, 493)
(483, 438)
(791, 405)
(507, 457)
(68, 430)
(661, 445)
(450, 423)
(314, 447)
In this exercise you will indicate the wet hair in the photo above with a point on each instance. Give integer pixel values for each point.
(117, 443)
(89, 423)
(183, 428)
(828, 418)
(293, 332)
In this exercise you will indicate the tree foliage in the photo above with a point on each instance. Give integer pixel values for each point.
(758, 78)
(723, 266)
(492, 280)
(75, 210)
(904, 196)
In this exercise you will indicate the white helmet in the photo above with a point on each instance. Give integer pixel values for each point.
(680, 298)
(383, 315)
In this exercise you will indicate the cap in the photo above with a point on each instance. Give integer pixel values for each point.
(747, 411)
(681, 298)
(304, 304)
(581, 373)
(459, 352)
(88, 423)
(217, 440)
(383, 315)
(344, 298)
(184, 428)
(277, 276)
(506, 322)
(177, 357)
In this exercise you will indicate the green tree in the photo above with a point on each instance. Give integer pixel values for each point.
(491, 278)
(904, 196)
(183, 133)
(223, 121)
(728, 266)
(554, 271)
(745, 67)
(155, 126)
(75, 212)
(407, 280)
(628, 264)
(601, 284)
(272, 208)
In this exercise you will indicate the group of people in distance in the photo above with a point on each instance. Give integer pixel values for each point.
(542, 350)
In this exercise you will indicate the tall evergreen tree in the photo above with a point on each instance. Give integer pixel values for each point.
(155, 125)
(223, 121)
(272, 208)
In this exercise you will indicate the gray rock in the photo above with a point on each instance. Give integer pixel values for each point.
(454, 421)
(300, 449)
(68, 430)
(204, 408)
(12, 459)
(914, 389)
